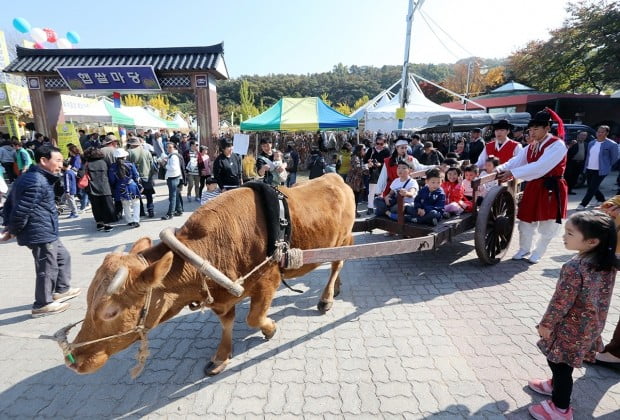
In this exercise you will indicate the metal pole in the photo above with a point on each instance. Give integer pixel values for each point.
(404, 77)
(469, 66)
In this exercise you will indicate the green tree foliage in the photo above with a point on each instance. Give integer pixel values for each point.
(581, 57)
(247, 108)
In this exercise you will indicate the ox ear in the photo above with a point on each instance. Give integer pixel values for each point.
(140, 245)
(155, 273)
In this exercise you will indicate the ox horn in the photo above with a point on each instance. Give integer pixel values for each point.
(119, 249)
(169, 238)
(119, 279)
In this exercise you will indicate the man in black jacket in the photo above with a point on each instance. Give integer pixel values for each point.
(30, 215)
(227, 169)
(476, 145)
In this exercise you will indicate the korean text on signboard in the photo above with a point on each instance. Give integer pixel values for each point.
(110, 78)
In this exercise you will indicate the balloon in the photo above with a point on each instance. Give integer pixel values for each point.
(64, 43)
(21, 25)
(38, 35)
(51, 35)
(38, 46)
(73, 37)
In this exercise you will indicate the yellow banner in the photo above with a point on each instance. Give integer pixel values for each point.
(67, 133)
(400, 113)
(12, 124)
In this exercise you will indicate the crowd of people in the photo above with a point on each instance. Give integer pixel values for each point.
(113, 180)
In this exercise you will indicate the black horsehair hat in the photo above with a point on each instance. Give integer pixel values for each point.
(541, 119)
(502, 125)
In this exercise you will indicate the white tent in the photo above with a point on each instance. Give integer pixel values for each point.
(418, 109)
(178, 119)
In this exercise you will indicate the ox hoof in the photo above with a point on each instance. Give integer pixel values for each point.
(323, 307)
(213, 368)
(269, 335)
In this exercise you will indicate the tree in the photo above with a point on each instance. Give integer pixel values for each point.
(361, 102)
(325, 98)
(160, 103)
(133, 100)
(581, 56)
(343, 108)
(247, 108)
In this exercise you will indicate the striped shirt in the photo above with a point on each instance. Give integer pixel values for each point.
(209, 195)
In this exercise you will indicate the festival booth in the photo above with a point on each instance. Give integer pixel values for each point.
(417, 111)
(299, 114)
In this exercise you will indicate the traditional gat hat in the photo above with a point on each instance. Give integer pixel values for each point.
(502, 125)
(541, 119)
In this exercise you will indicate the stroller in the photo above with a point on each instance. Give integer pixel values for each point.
(59, 197)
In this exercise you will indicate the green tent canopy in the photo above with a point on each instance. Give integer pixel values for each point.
(299, 114)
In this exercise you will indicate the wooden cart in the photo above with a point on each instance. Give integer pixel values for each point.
(493, 223)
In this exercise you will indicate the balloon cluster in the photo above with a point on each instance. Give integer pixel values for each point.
(40, 36)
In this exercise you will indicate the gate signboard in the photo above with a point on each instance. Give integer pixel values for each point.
(134, 79)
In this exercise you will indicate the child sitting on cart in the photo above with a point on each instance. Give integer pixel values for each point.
(490, 164)
(469, 174)
(404, 185)
(428, 206)
(456, 203)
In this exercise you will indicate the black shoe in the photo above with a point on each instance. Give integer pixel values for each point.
(166, 217)
(100, 226)
(178, 213)
(358, 214)
(370, 211)
(136, 225)
(572, 193)
(151, 214)
(107, 228)
(131, 224)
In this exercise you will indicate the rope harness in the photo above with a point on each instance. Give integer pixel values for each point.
(143, 352)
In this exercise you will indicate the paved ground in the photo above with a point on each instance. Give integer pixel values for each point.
(427, 335)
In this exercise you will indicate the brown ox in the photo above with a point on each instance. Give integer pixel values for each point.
(229, 232)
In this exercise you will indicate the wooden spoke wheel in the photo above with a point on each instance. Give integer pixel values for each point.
(494, 225)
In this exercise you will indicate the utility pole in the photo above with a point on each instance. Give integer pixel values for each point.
(400, 113)
(469, 70)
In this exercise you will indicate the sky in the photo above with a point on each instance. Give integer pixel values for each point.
(299, 36)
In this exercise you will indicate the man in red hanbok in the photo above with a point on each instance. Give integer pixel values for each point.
(544, 202)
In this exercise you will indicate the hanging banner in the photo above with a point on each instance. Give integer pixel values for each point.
(12, 125)
(134, 79)
(4, 57)
(67, 133)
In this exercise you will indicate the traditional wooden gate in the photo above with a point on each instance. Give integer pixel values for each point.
(185, 69)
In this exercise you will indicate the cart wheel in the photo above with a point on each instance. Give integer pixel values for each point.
(494, 225)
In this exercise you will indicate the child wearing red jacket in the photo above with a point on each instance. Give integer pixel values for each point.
(456, 203)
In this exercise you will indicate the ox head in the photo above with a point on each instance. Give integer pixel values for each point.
(116, 297)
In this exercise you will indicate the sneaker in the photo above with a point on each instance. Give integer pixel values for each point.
(580, 207)
(69, 294)
(73, 216)
(521, 254)
(50, 309)
(543, 387)
(607, 358)
(546, 410)
(534, 258)
(370, 211)
(107, 228)
(100, 226)
(178, 213)
(166, 217)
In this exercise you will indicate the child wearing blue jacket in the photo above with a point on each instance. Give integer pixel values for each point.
(428, 206)
(70, 182)
(126, 187)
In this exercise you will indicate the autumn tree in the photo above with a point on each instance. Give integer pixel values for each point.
(580, 57)
(160, 103)
(132, 100)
